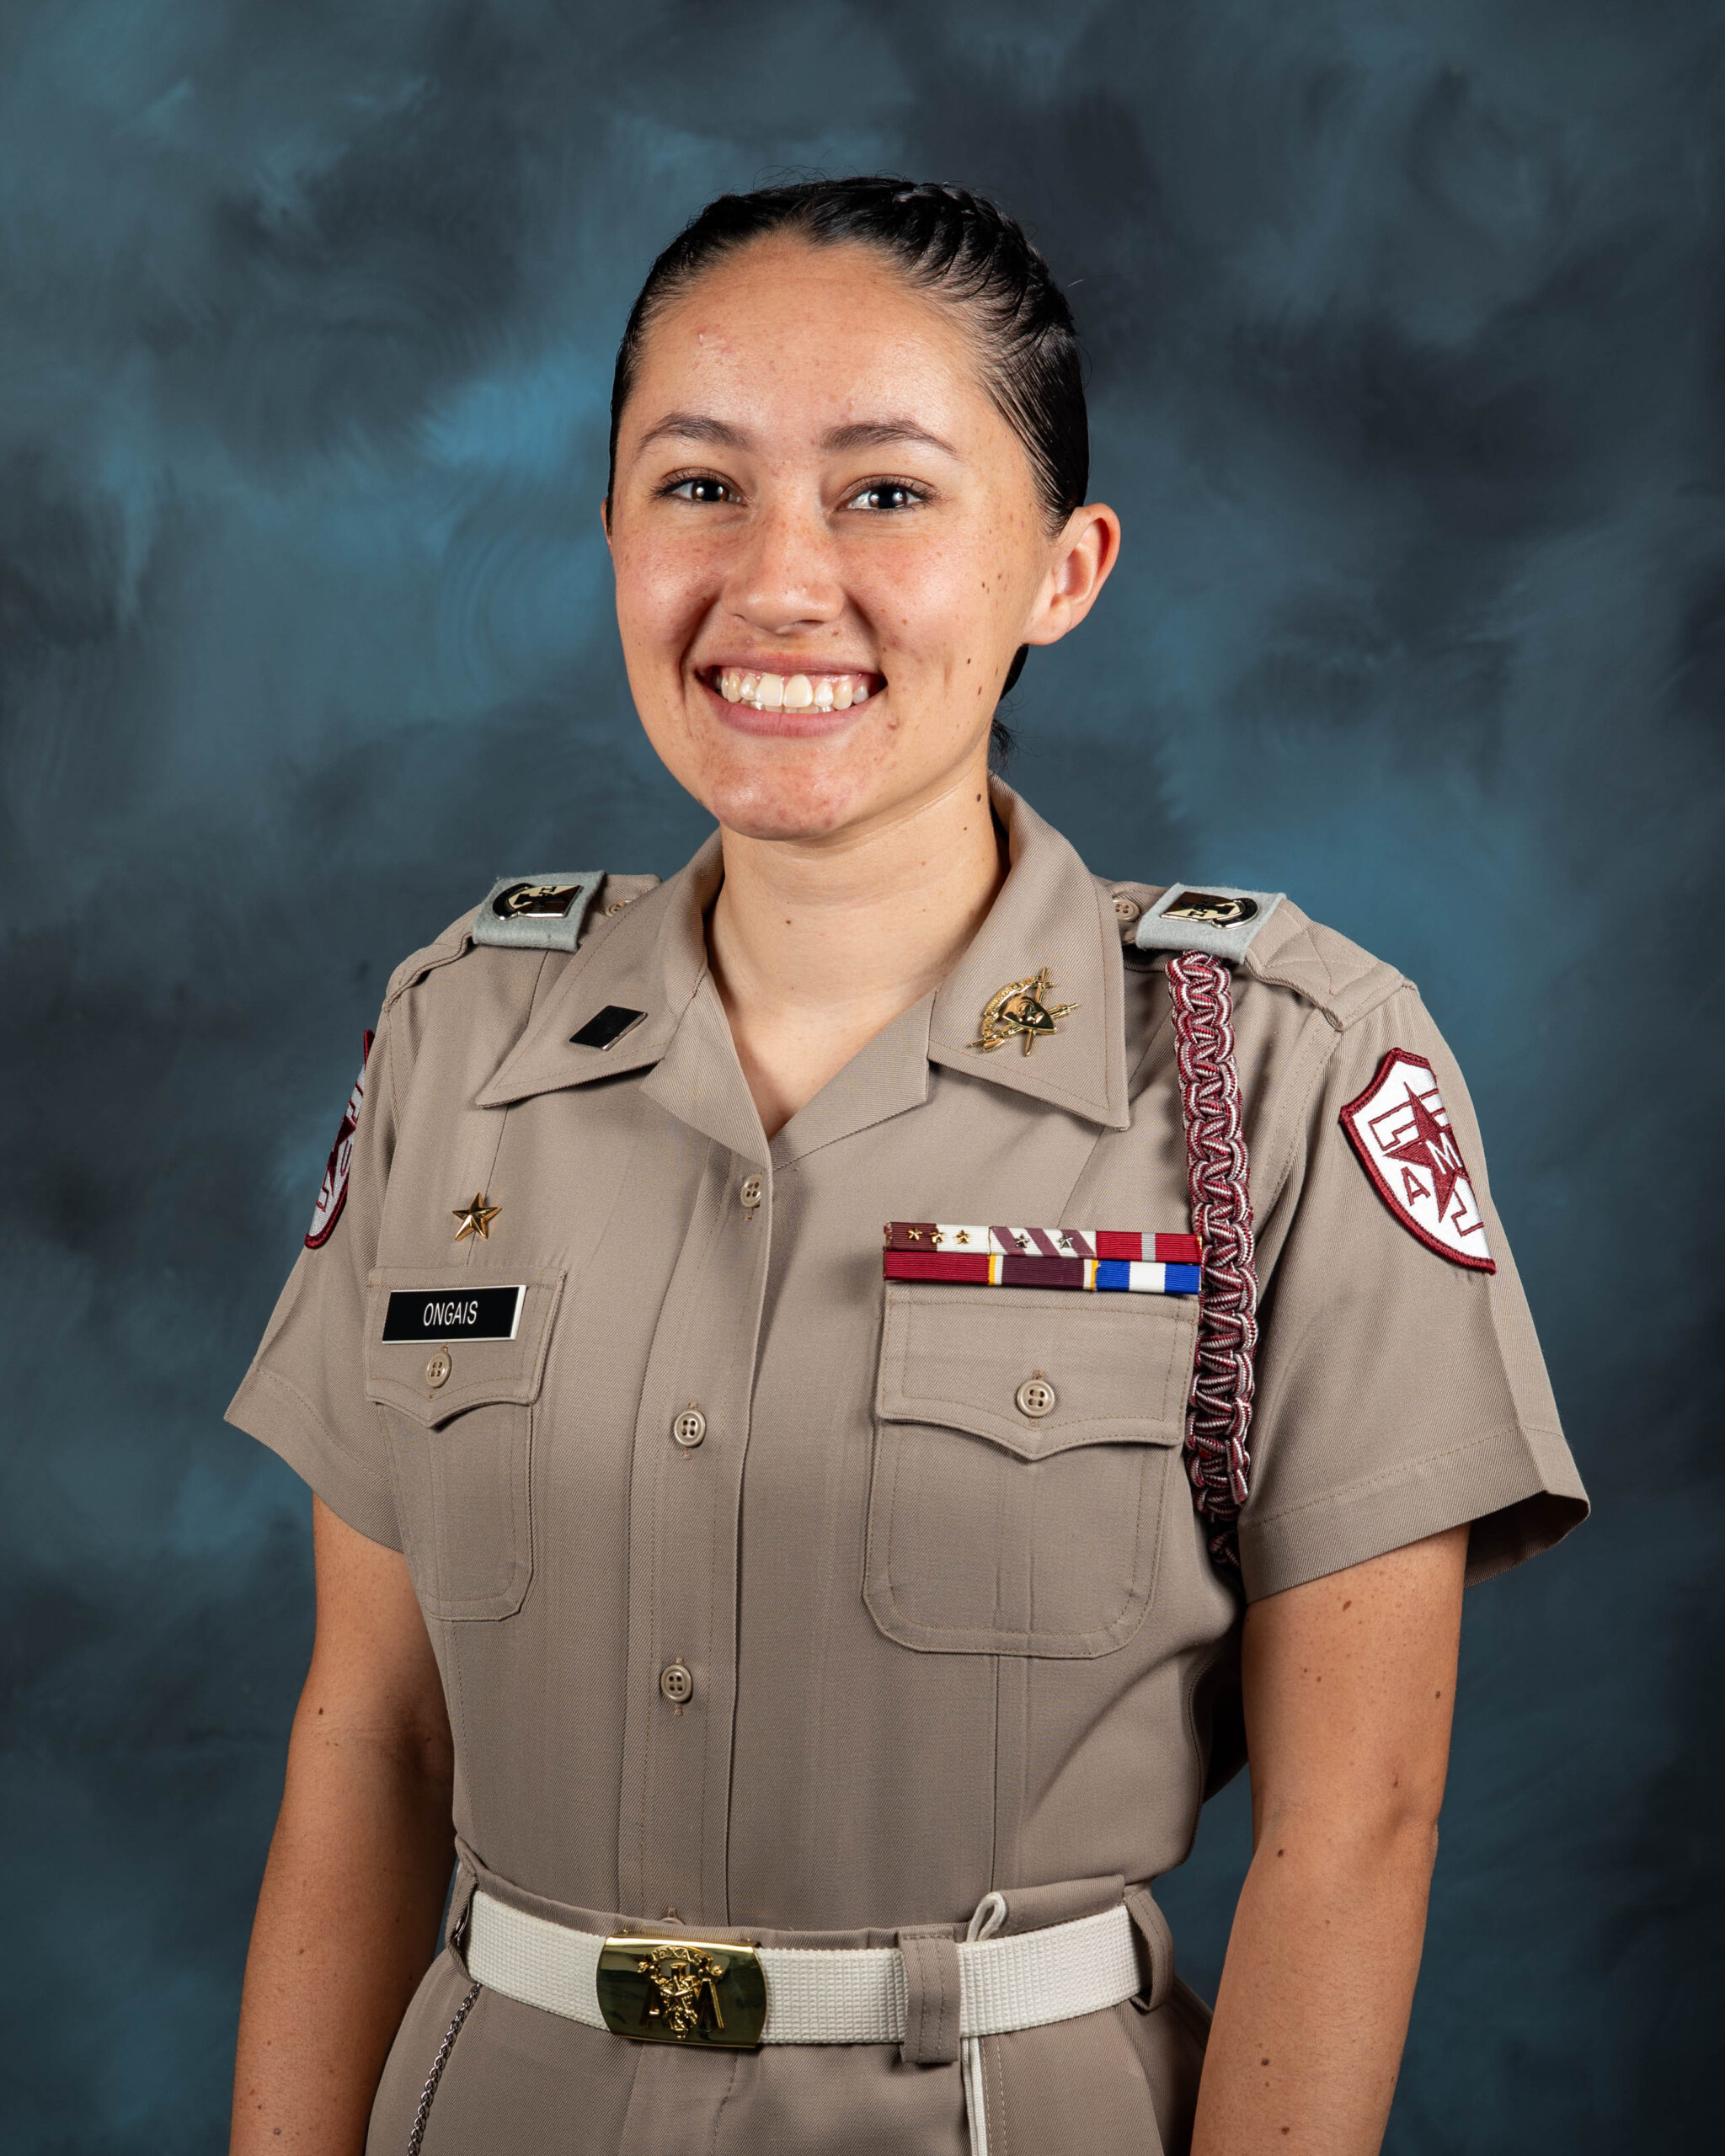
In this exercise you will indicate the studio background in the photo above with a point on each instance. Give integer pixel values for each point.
(1404, 324)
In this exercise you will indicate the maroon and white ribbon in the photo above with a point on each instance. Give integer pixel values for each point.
(1219, 1419)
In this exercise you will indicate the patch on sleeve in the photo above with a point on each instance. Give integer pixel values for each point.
(1400, 1131)
(332, 1196)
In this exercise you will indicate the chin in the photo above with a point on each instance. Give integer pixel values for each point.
(786, 806)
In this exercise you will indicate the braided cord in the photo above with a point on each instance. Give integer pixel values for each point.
(435, 2075)
(1219, 1410)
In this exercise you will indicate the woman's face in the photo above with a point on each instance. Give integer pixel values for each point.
(828, 544)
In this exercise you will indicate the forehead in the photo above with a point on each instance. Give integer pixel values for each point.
(784, 338)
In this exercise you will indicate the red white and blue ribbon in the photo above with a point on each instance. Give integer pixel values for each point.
(1096, 1260)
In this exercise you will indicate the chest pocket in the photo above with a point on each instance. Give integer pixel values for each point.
(460, 1415)
(1025, 1442)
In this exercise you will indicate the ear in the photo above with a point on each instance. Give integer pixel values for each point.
(605, 519)
(1081, 563)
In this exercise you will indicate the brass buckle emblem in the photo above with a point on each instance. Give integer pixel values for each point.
(682, 1991)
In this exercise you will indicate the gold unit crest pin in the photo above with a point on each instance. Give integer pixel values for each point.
(1022, 1007)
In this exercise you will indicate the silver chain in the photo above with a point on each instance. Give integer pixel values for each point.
(435, 2075)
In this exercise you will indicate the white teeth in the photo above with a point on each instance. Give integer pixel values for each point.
(797, 693)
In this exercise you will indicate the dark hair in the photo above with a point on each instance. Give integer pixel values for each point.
(957, 246)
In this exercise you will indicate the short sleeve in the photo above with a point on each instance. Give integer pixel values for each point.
(1400, 1390)
(304, 1395)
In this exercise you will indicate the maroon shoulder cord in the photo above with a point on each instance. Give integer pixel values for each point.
(1218, 1417)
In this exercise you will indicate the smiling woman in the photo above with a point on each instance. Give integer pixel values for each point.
(822, 1647)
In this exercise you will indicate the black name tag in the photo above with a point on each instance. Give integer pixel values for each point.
(453, 1313)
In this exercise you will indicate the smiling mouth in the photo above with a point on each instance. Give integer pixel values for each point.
(791, 692)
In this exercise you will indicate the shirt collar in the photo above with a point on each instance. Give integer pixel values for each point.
(1050, 912)
(653, 959)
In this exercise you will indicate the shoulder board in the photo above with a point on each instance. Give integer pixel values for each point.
(1266, 935)
(537, 912)
(1217, 918)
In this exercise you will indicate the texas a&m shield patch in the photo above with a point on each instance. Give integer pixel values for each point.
(332, 1194)
(1401, 1133)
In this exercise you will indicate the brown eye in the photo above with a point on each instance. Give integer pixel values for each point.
(885, 495)
(700, 490)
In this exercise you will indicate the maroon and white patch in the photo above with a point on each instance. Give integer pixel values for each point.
(1401, 1133)
(332, 1195)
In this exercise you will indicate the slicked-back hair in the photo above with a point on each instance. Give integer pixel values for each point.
(957, 248)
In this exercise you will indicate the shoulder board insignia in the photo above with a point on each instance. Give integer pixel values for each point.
(1216, 918)
(537, 912)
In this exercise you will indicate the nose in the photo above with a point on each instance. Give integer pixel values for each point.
(786, 577)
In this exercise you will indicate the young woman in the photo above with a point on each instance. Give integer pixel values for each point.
(819, 1648)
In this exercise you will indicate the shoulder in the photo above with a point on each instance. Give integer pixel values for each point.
(518, 922)
(1267, 940)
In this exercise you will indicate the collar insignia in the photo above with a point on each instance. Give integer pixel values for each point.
(475, 1219)
(1020, 1007)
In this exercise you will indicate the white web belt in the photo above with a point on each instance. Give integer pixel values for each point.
(834, 1995)
(843, 1995)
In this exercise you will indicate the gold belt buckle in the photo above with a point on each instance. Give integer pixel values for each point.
(682, 1991)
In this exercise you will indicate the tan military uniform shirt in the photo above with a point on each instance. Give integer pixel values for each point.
(934, 1646)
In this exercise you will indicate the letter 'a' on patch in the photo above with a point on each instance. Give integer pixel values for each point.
(332, 1194)
(1401, 1130)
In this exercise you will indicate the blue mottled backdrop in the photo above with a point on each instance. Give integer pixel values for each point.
(1405, 320)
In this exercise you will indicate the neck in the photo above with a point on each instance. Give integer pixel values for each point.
(816, 945)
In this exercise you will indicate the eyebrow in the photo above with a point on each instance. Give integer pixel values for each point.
(880, 434)
(696, 426)
(860, 434)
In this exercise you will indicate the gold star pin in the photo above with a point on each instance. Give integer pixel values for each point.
(475, 1219)
(1020, 1007)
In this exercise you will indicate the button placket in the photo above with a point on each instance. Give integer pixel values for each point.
(673, 1826)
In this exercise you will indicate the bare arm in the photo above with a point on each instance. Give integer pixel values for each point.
(1350, 1682)
(353, 1892)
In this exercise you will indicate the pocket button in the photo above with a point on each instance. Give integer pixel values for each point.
(1035, 1396)
(438, 1368)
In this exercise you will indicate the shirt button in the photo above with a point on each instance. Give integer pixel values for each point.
(690, 1427)
(437, 1369)
(1127, 908)
(751, 1192)
(676, 1683)
(1035, 1396)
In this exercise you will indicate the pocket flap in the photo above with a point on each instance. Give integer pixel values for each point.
(1119, 1366)
(442, 1314)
